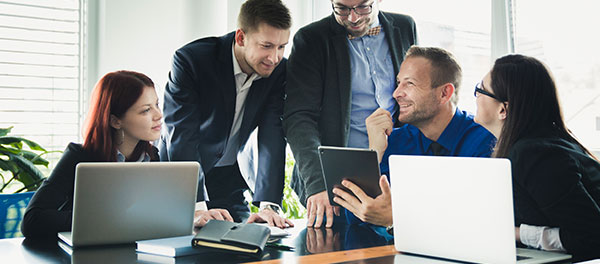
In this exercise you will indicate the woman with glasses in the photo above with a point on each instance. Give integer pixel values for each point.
(556, 180)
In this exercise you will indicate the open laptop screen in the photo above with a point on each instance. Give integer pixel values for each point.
(117, 202)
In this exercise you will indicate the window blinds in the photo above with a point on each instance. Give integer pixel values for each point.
(41, 70)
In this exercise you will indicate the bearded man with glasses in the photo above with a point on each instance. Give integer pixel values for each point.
(340, 70)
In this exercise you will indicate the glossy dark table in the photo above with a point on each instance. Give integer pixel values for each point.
(306, 241)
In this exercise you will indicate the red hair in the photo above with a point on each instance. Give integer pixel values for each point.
(114, 94)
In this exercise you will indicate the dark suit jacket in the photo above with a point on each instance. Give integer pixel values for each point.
(51, 207)
(199, 108)
(557, 184)
(318, 104)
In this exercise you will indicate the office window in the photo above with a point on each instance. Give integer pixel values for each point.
(41, 72)
(563, 36)
(462, 27)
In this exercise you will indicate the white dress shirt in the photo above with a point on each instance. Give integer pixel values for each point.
(541, 237)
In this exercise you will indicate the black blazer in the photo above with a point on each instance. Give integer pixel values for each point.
(556, 184)
(51, 207)
(318, 104)
(199, 107)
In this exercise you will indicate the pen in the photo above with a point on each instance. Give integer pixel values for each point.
(280, 246)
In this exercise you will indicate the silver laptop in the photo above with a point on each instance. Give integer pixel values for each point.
(117, 202)
(457, 208)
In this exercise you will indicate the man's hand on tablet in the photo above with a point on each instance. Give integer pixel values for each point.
(377, 211)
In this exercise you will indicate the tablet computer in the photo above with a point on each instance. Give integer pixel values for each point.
(359, 166)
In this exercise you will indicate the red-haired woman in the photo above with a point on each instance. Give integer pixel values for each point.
(122, 121)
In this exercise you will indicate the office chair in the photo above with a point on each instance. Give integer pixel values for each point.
(12, 209)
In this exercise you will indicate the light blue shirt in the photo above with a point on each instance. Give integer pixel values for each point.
(143, 158)
(373, 81)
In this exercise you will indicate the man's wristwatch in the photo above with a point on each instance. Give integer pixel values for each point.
(390, 229)
(274, 208)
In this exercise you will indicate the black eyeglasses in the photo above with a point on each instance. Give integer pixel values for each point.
(484, 92)
(359, 10)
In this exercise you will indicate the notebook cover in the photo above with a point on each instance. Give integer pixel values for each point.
(248, 239)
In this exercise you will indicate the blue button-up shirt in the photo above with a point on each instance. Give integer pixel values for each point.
(462, 137)
(373, 81)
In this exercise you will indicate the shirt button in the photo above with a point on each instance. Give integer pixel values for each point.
(368, 48)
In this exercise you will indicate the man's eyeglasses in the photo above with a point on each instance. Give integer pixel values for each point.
(479, 89)
(359, 10)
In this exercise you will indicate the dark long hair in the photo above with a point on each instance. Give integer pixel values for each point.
(529, 89)
(114, 94)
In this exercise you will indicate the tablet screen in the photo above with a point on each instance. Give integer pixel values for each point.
(359, 166)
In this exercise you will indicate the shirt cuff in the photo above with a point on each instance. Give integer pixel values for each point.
(265, 203)
(201, 206)
(541, 237)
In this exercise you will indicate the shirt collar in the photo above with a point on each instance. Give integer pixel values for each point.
(376, 23)
(237, 70)
(448, 137)
(143, 158)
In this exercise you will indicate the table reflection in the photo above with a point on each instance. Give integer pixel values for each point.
(322, 240)
(306, 241)
(344, 237)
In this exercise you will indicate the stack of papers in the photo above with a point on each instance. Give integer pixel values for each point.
(276, 232)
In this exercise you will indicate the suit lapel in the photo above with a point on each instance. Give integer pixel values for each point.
(397, 52)
(225, 72)
(392, 33)
(253, 102)
(342, 55)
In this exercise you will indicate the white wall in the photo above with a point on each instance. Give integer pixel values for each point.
(142, 35)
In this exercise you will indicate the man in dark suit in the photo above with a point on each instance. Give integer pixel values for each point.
(220, 90)
(340, 70)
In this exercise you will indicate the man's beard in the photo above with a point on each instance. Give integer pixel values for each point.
(358, 33)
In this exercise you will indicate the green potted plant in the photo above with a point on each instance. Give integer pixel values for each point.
(18, 163)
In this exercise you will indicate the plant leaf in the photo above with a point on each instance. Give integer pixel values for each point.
(9, 166)
(9, 140)
(33, 146)
(35, 158)
(27, 166)
(17, 145)
(12, 140)
(5, 131)
(5, 150)
(4, 165)
(28, 181)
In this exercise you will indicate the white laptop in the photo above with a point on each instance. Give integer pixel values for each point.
(457, 208)
(121, 202)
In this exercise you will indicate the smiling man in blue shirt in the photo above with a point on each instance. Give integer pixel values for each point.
(426, 93)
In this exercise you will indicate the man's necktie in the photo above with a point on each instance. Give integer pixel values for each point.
(436, 148)
(371, 32)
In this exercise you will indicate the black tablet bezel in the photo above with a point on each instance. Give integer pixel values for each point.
(360, 166)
